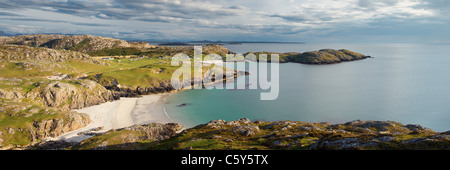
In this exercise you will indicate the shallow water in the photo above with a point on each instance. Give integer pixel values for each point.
(408, 83)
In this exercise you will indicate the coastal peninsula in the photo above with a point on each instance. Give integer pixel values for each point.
(81, 92)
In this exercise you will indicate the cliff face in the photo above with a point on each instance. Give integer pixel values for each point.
(56, 127)
(80, 43)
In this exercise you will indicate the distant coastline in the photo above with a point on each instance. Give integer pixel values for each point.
(205, 42)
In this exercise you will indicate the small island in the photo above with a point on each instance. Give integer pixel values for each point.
(324, 56)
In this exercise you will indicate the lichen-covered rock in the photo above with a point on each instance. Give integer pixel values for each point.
(418, 128)
(67, 96)
(129, 137)
(56, 127)
(247, 130)
(11, 94)
(239, 122)
(215, 123)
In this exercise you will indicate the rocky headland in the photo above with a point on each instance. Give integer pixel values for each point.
(244, 134)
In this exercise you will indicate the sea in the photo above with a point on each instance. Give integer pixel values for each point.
(407, 83)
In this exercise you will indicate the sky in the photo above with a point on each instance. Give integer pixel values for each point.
(337, 21)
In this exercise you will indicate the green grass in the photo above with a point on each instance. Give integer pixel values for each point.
(16, 120)
(18, 138)
(404, 137)
(116, 52)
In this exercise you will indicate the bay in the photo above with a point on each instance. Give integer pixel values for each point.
(408, 83)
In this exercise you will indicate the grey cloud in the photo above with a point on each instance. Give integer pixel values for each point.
(126, 10)
(371, 4)
(194, 17)
(154, 20)
(34, 19)
(282, 29)
(55, 21)
(90, 24)
(8, 14)
(293, 18)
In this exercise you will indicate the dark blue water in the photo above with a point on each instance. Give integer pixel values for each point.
(408, 83)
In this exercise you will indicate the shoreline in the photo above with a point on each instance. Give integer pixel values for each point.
(119, 114)
(125, 112)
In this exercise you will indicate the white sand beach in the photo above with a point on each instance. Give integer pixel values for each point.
(119, 114)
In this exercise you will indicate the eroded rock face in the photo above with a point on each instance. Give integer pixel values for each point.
(57, 127)
(66, 96)
(11, 94)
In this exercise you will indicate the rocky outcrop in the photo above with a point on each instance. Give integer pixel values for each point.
(76, 95)
(129, 137)
(215, 48)
(64, 95)
(280, 135)
(14, 52)
(11, 94)
(129, 91)
(40, 123)
(120, 90)
(286, 135)
(80, 43)
(56, 127)
(155, 130)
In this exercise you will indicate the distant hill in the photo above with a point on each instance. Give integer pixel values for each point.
(80, 43)
(3, 33)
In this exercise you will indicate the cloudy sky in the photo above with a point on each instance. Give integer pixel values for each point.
(248, 20)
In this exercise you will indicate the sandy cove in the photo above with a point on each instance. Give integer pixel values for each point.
(123, 113)
(119, 114)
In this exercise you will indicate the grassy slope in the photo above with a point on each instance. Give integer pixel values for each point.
(27, 75)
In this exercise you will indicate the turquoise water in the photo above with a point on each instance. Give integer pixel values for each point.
(408, 83)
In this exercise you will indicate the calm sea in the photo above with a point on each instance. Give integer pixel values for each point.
(408, 83)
